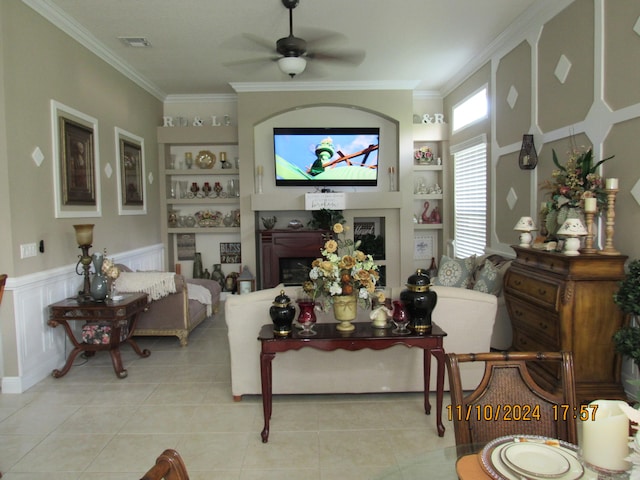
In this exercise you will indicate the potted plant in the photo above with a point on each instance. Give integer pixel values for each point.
(627, 339)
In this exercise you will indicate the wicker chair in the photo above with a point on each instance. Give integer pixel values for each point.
(507, 396)
(169, 466)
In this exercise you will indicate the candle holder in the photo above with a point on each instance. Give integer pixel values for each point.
(609, 249)
(588, 241)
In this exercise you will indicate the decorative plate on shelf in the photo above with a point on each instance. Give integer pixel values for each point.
(205, 159)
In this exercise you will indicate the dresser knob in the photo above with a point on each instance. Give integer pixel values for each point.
(542, 291)
(543, 326)
(518, 313)
(517, 282)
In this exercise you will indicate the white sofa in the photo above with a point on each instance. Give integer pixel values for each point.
(467, 316)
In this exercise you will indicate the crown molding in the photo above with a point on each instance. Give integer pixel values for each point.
(80, 34)
(293, 86)
(200, 98)
(538, 14)
(426, 95)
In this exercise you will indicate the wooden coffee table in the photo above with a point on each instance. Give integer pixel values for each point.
(119, 315)
(364, 336)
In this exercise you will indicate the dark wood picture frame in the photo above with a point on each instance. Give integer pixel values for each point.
(78, 172)
(76, 163)
(131, 173)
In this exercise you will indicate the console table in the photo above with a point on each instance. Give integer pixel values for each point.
(121, 316)
(328, 338)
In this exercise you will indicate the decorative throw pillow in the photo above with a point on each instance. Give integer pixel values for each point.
(488, 279)
(454, 272)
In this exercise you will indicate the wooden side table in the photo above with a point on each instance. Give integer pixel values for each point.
(329, 339)
(121, 316)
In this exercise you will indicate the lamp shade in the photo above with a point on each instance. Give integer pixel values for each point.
(525, 224)
(572, 227)
(292, 66)
(84, 234)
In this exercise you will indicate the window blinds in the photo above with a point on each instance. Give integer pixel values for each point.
(470, 199)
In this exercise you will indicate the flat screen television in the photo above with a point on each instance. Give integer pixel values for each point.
(319, 157)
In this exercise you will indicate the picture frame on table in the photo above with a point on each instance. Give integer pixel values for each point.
(130, 161)
(246, 285)
(76, 171)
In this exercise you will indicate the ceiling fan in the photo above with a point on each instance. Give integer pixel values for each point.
(294, 52)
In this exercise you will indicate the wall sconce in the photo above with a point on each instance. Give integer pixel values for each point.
(572, 228)
(528, 158)
(525, 225)
(84, 238)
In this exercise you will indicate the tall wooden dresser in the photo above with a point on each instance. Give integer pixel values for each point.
(563, 303)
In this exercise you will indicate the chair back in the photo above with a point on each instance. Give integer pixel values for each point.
(507, 401)
(169, 466)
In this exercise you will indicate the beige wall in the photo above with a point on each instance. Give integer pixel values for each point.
(38, 63)
(597, 105)
(47, 64)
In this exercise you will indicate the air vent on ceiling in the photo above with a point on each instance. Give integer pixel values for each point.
(139, 42)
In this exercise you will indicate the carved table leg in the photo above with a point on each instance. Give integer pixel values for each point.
(439, 354)
(426, 370)
(67, 366)
(266, 378)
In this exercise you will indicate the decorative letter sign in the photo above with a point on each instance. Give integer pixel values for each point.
(329, 201)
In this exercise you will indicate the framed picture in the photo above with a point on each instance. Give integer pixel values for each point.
(424, 245)
(230, 252)
(132, 194)
(76, 164)
(186, 246)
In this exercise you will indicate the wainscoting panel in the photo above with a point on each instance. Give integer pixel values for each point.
(40, 348)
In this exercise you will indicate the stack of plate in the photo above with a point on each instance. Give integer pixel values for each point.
(532, 457)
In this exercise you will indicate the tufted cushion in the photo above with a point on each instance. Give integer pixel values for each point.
(455, 272)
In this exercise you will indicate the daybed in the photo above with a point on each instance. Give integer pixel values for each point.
(180, 312)
(466, 315)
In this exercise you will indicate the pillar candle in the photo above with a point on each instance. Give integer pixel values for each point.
(590, 204)
(611, 183)
(605, 436)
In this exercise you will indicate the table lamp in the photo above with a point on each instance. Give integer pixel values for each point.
(525, 225)
(84, 238)
(572, 228)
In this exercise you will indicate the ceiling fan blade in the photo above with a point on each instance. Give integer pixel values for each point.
(317, 37)
(353, 57)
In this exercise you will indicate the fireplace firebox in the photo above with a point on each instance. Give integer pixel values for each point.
(286, 255)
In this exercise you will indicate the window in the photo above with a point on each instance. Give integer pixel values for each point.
(470, 197)
(470, 110)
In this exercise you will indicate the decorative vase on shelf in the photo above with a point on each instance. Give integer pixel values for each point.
(197, 265)
(345, 309)
(218, 275)
(99, 283)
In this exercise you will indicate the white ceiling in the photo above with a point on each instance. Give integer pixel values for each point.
(416, 43)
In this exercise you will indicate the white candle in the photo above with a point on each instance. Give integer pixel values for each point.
(611, 183)
(259, 169)
(605, 438)
(590, 204)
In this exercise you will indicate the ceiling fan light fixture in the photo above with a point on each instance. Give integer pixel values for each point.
(292, 66)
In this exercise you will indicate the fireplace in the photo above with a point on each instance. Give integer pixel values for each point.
(287, 254)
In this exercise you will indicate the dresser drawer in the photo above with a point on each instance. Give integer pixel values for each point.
(539, 291)
(536, 321)
(524, 343)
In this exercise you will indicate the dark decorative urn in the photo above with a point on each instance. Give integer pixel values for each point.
(282, 314)
(419, 301)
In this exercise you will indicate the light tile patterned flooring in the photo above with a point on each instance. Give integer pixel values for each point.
(92, 425)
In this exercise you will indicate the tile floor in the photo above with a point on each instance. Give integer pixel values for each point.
(92, 425)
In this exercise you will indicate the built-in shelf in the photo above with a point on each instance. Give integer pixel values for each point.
(203, 171)
(205, 230)
(427, 226)
(204, 201)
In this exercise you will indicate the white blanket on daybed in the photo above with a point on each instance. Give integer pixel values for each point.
(154, 284)
(201, 294)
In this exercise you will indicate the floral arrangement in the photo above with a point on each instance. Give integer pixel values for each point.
(423, 155)
(571, 184)
(343, 270)
(109, 268)
(576, 181)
